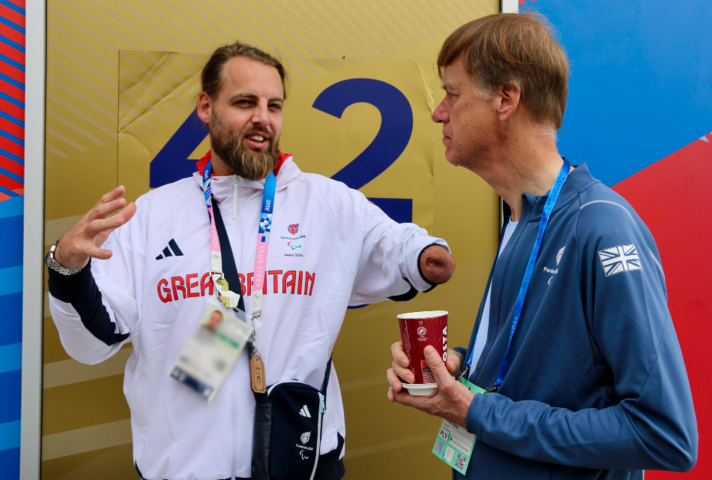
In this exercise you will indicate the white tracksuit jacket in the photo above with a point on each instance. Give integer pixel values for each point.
(346, 251)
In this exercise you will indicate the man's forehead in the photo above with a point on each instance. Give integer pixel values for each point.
(454, 76)
(241, 74)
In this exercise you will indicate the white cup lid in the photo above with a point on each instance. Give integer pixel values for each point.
(422, 315)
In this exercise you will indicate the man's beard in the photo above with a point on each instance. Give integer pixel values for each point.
(229, 146)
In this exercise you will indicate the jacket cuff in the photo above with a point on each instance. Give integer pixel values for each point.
(420, 271)
(477, 408)
(462, 351)
(70, 287)
(407, 296)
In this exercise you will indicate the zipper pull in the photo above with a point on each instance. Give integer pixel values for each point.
(234, 197)
(322, 403)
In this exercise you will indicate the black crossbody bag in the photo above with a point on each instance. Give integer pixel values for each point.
(288, 418)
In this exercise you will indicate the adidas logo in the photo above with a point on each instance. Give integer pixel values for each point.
(304, 412)
(171, 250)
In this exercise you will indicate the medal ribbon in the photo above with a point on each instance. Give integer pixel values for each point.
(229, 298)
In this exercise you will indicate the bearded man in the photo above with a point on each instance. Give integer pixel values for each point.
(155, 263)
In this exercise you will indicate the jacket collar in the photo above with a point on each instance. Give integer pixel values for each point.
(221, 185)
(577, 181)
(208, 156)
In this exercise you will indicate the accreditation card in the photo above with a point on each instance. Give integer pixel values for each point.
(454, 443)
(210, 353)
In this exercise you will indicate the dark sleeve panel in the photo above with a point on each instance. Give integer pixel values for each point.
(82, 293)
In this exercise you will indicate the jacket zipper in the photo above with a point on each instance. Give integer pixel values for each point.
(234, 413)
(234, 439)
(234, 197)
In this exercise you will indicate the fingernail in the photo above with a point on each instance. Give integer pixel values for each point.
(404, 362)
(430, 352)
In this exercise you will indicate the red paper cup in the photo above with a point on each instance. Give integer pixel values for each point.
(418, 330)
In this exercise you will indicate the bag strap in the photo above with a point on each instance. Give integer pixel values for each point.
(229, 266)
(233, 278)
(325, 383)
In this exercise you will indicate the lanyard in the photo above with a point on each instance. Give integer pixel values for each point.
(548, 207)
(227, 296)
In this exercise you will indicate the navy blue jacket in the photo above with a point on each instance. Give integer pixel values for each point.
(596, 386)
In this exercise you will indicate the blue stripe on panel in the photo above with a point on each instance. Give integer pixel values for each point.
(11, 236)
(661, 50)
(11, 43)
(12, 100)
(11, 308)
(9, 435)
(12, 119)
(11, 399)
(12, 25)
(10, 280)
(9, 192)
(12, 6)
(12, 156)
(12, 137)
(12, 207)
(11, 175)
(12, 62)
(10, 461)
(11, 80)
(10, 357)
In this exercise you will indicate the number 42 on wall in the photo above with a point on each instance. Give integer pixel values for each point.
(396, 129)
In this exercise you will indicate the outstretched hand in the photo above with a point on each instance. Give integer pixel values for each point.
(451, 399)
(83, 240)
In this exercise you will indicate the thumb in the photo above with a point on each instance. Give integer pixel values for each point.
(435, 362)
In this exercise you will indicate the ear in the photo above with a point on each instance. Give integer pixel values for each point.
(205, 107)
(508, 97)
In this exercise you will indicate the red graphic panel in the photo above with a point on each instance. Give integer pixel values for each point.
(673, 197)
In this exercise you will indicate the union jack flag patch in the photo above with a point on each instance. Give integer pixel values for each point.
(623, 258)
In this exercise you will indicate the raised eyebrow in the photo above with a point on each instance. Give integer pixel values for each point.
(251, 96)
(276, 99)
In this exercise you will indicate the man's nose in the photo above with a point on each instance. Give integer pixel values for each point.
(440, 115)
(260, 115)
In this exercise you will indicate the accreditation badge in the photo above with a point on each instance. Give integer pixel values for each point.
(210, 353)
(454, 443)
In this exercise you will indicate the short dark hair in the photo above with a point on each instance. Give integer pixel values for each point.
(506, 47)
(211, 76)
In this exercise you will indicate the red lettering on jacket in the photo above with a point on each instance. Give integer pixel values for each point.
(275, 275)
(206, 282)
(178, 284)
(310, 276)
(163, 288)
(293, 281)
(286, 284)
(242, 283)
(190, 285)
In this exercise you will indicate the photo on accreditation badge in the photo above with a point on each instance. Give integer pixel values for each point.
(209, 354)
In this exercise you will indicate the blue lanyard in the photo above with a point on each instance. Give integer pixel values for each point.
(265, 227)
(548, 207)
